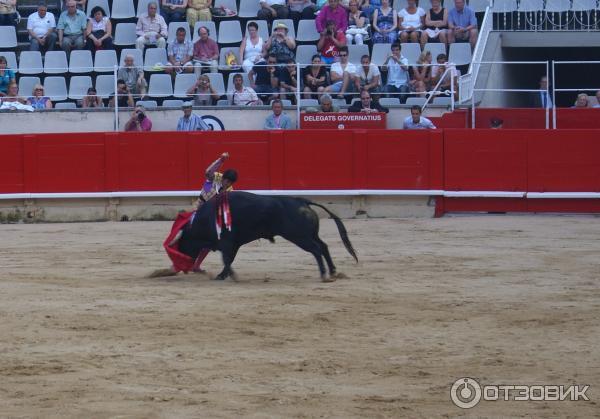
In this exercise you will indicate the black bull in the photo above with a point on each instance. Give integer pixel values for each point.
(261, 217)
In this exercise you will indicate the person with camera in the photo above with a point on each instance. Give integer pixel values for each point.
(332, 11)
(330, 41)
(138, 121)
(124, 98)
(280, 44)
(203, 93)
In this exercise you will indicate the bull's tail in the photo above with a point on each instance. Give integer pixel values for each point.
(341, 229)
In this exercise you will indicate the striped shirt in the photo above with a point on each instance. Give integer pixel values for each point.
(193, 123)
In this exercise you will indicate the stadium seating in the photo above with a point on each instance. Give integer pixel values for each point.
(263, 29)
(123, 9)
(230, 80)
(160, 86)
(357, 51)
(148, 104)
(216, 81)
(305, 103)
(307, 31)
(223, 52)
(26, 85)
(30, 62)
(412, 101)
(442, 101)
(8, 37)
(411, 52)
(172, 103)
(142, 6)
(154, 56)
(11, 59)
(380, 53)
(210, 25)
(78, 86)
(105, 85)
(105, 61)
(124, 34)
(81, 61)
(55, 88)
(102, 3)
(138, 59)
(173, 26)
(182, 83)
(389, 101)
(304, 53)
(249, 8)
(230, 4)
(435, 49)
(65, 105)
(230, 32)
(460, 53)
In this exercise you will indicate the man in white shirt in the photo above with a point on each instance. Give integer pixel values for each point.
(151, 28)
(241, 95)
(416, 121)
(397, 67)
(344, 75)
(41, 26)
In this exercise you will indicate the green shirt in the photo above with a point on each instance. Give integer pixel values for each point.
(72, 25)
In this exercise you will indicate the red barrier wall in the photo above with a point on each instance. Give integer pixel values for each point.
(535, 118)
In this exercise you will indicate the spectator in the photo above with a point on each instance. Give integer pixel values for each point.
(422, 73)
(251, 47)
(206, 52)
(264, 79)
(397, 68)
(151, 29)
(37, 100)
(416, 121)
(357, 20)
(272, 9)
(327, 104)
(139, 121)
(369, 75)
(437, 72)
(124, 98)
(333, 11)
(7, 76)
(301, 9)
(241, 95)
(99, 31)
(133, 77)
(203, 93)
(496, 123)
(385, 24)
(280, 44)
(190, 121)
(41, 26)
(344, 75)
(12, 94)
(462, 24)
(369, 6)
(542, 99)
(582, 101)
(179, 54)
(411, 20)
(79, 3)
(278, 120)
(173, 10)
(365, 104)
(288, 80)
(315, 77)
(91, 100)
(597, 105)
(436, 23)
(72, 23)
(198, 10)
(330, 41)
(8, 13)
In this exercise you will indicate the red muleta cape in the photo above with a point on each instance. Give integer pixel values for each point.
(181, 261)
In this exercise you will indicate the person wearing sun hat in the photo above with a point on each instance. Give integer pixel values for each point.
(190, 121)
(280, 44)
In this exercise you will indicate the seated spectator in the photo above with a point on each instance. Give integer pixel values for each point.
(198, 10)
(330, 41)
(542, 99)
(71, 26)
(179, 54)
(139, 121)
(327, 104)
(437, 72)
(416, 121)
(91, 99)
(173, 10)
(38, 101)
(597, 105)
(462, 24)
(369, 75)
(385, 24)
(357, 22)
(7, 76)
(41, 26)
(133, 77)
(288, 80)
(369, 7)
(251, 47)
(99, 31)
(12, 94)
(411, 20)
(582, 101)
(344, 75)
(280, 44)
(8, 13)
(398, 78)
(333, 11)
(264, 79)
(272, 9)
(422, 73)
(365, 104)
(301, 9)
(124, 98)
(206, 52)
(315, 77)
(190, 121)
(436, 24)
(151, 29)
(203, 93)
(241, 95)
(277, 120)
(79, 3)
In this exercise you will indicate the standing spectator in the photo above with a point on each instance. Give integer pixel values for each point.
(397, 68)
(280, 44)
(203, 93)
(190, 121)
(7, 76)
(385, 24)
(344, 75)
(265, 79)
(241, 95)
(37, 100)
(411, 20)
(151, 29)
(277, 120)
(133, 77)
(206, 52)
(333, 11)
(416, 121)
(582, 101)
(315, 77)
(173, 10)
(91, 99)
(41, 26)
(542, 99)
(138, 121)
(272, 9)
(198, 10)
(597, 105)
(330, 41)
(462, 23)
(179, 54)
(124, 98)
(365, 104)
(99, 31)
(72, 23)
(288, 80)
(79, 3)
(357, 20)
(8, 13)
(301, 9)
(436, 23)
(251, 47)
(369, 75)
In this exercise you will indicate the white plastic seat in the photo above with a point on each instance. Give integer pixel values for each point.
(400, 4)
(380, 53)
(307, 31)
(138, 58)
(154, 56)
(172, 103)
(249, 8)
(160, 86)
(142, 6)
(436, 49)
(11, 60)
(216, 81)
(389, 101)
(81, 61)
(65, 105)
(304, 54)
(125, 34)
(478, 5)
(105, 60)
(531, 5)
(182, 83)
(173, 26)
(26, 85)
(102, 3)
(210, 25)
(148, 104)
(78, 86)
(287, 22)
(230, 32)
(305, 103)
(105, 85)
(55, 62)
(263, 28)
(30, 62)
(504, 6)
(223, 102)
(412, 101)
(55, 87)
(442, 101)
(284, 102)
(558, 6)
(123, 9)
(411, 52)
(460, 53)
(8, 37)
(355, 52)
(584, 5)
(224, 51)
(340, 103)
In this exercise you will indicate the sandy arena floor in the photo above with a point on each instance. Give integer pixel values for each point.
(503, 299)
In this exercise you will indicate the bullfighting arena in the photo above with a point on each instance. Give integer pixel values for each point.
(503, 299)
